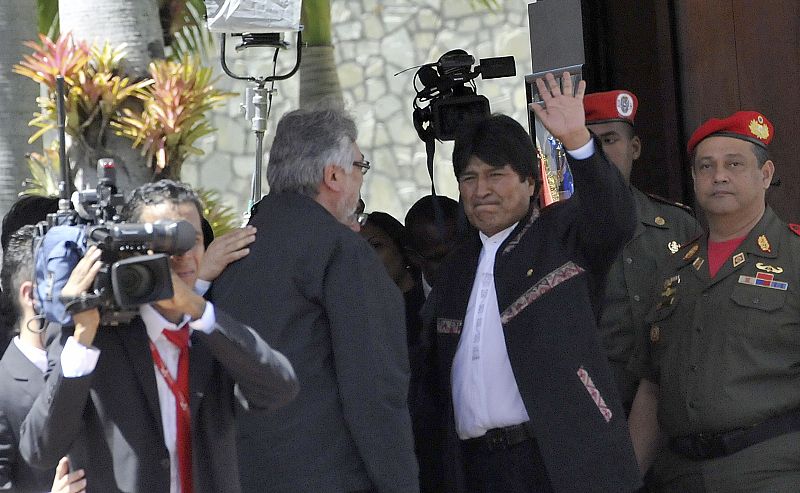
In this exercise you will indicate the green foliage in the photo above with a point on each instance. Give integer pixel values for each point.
(221, 217)
(45, 169)
(94, 90)
(175, 106)
(165, 114)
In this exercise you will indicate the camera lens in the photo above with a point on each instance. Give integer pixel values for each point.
(135, 281)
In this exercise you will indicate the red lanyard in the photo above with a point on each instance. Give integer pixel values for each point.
(179, 393)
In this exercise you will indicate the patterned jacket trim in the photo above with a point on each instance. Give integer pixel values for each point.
(548, 282)
(534, 215)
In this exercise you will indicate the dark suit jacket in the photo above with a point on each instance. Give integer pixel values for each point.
(549, 277)
(317, 292)
(109, 422)
(20, 383)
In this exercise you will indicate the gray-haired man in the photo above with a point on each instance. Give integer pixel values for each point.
(317, 291)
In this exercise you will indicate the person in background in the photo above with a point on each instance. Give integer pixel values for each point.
(661, 228)
(720, 359)
(529, 403)
(432, 225)
(149, 405)
(318, 293)
(22, 371)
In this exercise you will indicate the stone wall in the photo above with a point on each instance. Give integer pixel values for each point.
(374, 40)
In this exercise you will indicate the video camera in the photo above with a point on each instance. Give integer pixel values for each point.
(135, 257)
(447, 99)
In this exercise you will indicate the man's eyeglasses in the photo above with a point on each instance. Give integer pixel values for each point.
(364, 165)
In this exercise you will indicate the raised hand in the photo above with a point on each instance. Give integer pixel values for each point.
(562, 114)
(79, 282)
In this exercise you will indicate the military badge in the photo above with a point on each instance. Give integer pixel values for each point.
(659, 220)
(530, 272)
(673, 246)
(655, 334)
(763, 244)
(738, 259)
(765, 281)
(759, 128)
(769, 268)
(672, 280)
(625, 105)
(698, 262)
(691, 252)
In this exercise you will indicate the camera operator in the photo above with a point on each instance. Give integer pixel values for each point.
(22, 368)
(138, 411)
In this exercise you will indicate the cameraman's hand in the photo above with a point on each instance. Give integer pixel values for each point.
(80, 280)
(68, 482)
(225, 250)
(183, 301)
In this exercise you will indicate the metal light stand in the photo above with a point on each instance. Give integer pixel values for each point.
(256, 107)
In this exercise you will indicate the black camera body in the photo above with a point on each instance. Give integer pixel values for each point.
(447, 99)
(135, 257)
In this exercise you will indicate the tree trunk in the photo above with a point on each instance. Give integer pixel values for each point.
(135, 23)
(319, 80)
(17, 97)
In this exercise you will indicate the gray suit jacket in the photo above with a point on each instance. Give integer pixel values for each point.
(317, 292)
(20, 383)
(109, 422)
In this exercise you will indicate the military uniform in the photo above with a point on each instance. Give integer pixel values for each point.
(631, 288)
(725, 352)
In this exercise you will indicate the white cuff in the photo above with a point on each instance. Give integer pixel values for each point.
(78, 360)
(201, 286)
(583, 152)
(207, 322)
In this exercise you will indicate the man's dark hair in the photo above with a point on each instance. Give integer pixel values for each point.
(17, 268)
(28, 209)
(158, 193)
(392, 227)
(423, 213)
(497, 140)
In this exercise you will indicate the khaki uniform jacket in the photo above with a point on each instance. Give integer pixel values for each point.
(726, 352)
(631, 286)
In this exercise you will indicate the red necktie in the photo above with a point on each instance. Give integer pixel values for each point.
(180, 389)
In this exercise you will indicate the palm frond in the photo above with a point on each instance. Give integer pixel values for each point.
(221, 217)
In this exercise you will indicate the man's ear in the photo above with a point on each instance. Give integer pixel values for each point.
(332, 177)
(636, 147)
(25, 294)
(767, 172)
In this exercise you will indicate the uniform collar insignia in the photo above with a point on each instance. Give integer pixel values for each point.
(769, 268)
(738, 259)
(698, 262)
(692, 251)
(673, 246)
(660, 221)
(763, 244)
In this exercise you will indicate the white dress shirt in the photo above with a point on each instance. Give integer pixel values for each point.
(485, 392)
(35, 355)
(78, 360)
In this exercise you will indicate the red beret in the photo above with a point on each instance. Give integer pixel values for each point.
(751, 126)
(610, 106)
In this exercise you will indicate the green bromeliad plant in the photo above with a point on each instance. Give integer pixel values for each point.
(174, 112)
(162, 116)
(159, 119)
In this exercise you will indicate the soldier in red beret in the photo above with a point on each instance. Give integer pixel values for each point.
(662, 227)
(720, 364)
